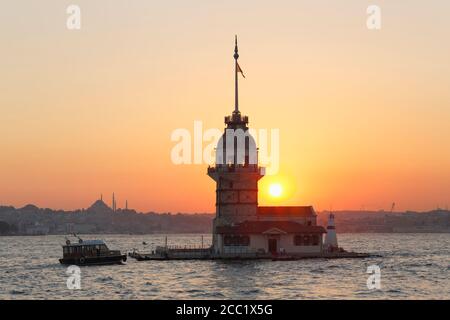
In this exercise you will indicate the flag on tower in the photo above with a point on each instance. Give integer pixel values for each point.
(238, 69)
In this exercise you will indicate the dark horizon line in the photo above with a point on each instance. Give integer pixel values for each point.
(350, 211)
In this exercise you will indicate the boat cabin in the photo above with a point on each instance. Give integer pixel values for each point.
(90, 252)
(85, 248)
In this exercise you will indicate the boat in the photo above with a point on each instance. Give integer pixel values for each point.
(90, 252)
(141, 256)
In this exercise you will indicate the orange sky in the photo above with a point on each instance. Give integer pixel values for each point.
(363, 115)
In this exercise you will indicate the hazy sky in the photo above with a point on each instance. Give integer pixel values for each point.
(364, 115)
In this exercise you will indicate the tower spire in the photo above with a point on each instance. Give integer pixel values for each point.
(236, 56)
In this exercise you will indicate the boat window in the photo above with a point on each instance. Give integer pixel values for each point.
(88, 249)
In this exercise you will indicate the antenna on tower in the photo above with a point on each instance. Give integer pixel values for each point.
(237, 69)
(236, 57)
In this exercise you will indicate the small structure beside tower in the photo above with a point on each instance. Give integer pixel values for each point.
(331, 243)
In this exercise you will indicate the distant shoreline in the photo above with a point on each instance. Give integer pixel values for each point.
(101, 219)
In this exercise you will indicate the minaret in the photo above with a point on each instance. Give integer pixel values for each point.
(331, 238)
(236, 171)
(113, 203)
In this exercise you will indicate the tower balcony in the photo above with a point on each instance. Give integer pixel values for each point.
(236, 168)
(236, 120)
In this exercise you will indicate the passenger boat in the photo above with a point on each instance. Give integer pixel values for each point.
(90, 252)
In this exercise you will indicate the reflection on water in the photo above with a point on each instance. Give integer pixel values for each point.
(413, 266)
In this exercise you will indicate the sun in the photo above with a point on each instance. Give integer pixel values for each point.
(275, 190)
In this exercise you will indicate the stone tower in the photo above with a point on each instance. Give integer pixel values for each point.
(236, 171)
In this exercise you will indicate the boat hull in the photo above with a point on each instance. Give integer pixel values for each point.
(118, 259)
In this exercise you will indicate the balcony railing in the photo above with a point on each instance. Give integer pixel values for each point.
(235, 168)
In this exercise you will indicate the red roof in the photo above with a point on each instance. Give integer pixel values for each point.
(263, 226)
(299, 211)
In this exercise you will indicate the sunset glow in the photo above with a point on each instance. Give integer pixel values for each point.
(275, 190)
(363, 116)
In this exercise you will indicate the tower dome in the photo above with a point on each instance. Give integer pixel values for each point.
(236, 146)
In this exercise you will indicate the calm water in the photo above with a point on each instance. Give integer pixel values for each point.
(413, 266)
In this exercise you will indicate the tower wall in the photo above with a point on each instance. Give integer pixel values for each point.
(236, 195)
